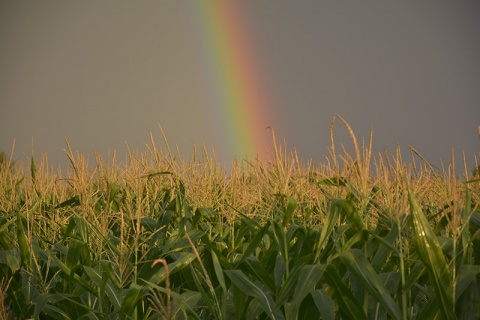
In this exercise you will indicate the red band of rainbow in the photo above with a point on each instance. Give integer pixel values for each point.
(234, 83)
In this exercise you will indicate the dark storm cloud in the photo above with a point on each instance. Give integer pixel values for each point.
(103, 73)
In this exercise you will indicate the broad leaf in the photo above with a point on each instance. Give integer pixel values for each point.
(348, 305)
(256, 291)
(429, 251)
(309, 276)
(358, 265)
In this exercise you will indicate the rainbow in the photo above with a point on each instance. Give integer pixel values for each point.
(233, 83)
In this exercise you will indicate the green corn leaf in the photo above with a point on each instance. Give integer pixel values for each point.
(281, 241)
(42, 300)
(206, 212)
(415, 273)
(391, 281)
(42, 305)
(384, 249)
(62, 306)
(10, 259)
(55, 313)
(209, 297)
(163, 222)
(81, 228)
(72, 202)
(70, 273)
(468, 292)
(279, 271)
(254, 244)
(240, 302)
(431, 310)
(324, 303)
(350, 211)
(6, 242)
(348, 305)
(185, 302)
(286, 290)
(291, 205)
(258, 292)
(257, 270)
(466, 275)
(148, 223)
(474, 222)
(360, 267)
(188, 301)
(183, 260)
(23, 246)
(429, 251)
(252, 224)
(109, 277)
(295, 230)
(465, 236)
(153, 174)
(111, 242)
(112, 293)
(180, 242)
(297, 236)
(75, 253)
(333, 182)
(357, 237)
(134, 293)
(218, 271)
(330, 221)
(254, 310)
(309, 276)
(91, 316)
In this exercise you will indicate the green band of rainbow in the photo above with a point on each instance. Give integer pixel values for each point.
(233, 78)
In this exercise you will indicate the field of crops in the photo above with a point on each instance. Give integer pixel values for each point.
(161, 236)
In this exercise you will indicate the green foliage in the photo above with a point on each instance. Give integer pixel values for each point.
(144, 244)
(277, 270)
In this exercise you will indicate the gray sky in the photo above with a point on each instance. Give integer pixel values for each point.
(103, 73)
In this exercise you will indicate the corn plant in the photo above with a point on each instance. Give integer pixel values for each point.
(164, 237)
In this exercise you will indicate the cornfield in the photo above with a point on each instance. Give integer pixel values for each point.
(161, 236)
